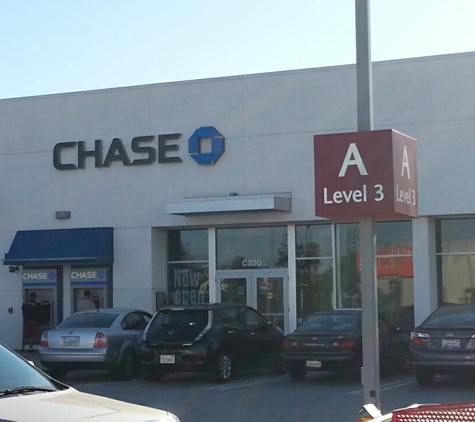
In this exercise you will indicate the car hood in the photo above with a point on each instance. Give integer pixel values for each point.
(74, 406)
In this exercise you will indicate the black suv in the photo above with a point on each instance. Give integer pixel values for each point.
(212, 338)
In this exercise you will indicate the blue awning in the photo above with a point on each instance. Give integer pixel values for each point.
(65, 246)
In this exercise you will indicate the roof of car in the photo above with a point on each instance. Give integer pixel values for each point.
(204, 306)
(111, 310)
(356, 311)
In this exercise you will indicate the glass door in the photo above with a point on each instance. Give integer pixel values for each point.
(270, 298)
(233, 290)
(264, 290)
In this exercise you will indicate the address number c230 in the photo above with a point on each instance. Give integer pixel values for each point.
(251, 263)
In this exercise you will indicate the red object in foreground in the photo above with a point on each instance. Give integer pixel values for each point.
(436, 412)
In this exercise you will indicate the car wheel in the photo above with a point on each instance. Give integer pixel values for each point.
(297, 373)
(125, 369)
(424, 376)
(223, 368)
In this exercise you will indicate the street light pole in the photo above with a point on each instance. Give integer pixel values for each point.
(369, 296)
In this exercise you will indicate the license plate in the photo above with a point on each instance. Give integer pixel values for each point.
(167, 359)
(69, 341)
(314, 364)
(450, 343)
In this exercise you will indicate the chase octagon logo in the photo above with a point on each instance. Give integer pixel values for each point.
(217, 145)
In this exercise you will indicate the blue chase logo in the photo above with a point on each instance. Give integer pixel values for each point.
(217, 145)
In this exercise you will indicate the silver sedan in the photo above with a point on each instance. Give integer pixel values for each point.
(98, 339)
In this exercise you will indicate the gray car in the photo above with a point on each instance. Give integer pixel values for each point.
(97, 339)
(444, 343)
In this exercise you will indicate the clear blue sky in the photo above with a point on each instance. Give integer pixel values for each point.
(52, 46)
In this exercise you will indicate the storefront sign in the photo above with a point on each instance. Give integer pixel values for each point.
(145, 150)
(189, 286)
(88, 275)
(40, 277)
(365, 174)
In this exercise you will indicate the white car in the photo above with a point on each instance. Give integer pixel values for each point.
(29, 395)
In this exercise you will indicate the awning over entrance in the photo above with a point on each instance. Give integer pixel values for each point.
(64, 246)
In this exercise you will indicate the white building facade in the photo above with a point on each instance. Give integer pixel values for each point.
(204, 191)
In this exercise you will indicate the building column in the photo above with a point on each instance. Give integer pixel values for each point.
(425, 268)
(291, 307)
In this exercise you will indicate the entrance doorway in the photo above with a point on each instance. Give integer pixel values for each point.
(264, 290)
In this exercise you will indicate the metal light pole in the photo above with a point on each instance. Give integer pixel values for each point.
(369, 296)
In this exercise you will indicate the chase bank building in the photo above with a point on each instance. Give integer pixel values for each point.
(204, 191)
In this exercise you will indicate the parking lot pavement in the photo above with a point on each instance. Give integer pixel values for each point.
(33, 357)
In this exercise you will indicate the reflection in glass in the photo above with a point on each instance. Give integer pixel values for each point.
(456, 235)
(270, 299)
(188, 245)
(188, 283)
(394, 238)
(233, 290)
(458, 278)
(396, 290)
(314, 286)
(314, 241)
(348, 275)
(246, 248)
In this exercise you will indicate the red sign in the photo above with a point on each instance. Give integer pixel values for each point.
(365, 174)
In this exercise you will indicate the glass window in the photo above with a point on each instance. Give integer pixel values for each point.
(314, 241)
(456, 235)
(188, 283)
(188, 245)
(188, 275)
(348, 276)
(394, 267)
(314, 250)
(247, 248)
(455, 240)
(394, 238)
(314, 286)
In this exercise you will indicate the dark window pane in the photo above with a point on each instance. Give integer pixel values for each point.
(314, 241)
(188, 245)
(394, 238)
(246, 248)
(457, 235)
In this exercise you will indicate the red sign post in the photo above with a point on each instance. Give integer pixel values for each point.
(365, 174)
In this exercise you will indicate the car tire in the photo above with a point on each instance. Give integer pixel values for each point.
(127, 366)
(424, 376)
(297, 373)
(223, 367)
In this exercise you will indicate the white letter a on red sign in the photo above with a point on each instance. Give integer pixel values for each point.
(353, 158)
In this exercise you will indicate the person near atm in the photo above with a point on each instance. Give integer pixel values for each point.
(31, 311)
(85, 303)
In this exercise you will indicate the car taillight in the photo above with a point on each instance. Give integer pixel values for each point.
(344, 344)
(100, 340)
(417, 338)
(289, 344)
(44, 339)
(471, 343)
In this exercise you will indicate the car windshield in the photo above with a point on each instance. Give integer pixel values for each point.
(89, 320)
(17, 374)
(344, 323)
(457, 317)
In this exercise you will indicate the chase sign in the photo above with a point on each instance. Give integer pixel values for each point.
(143, 150)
